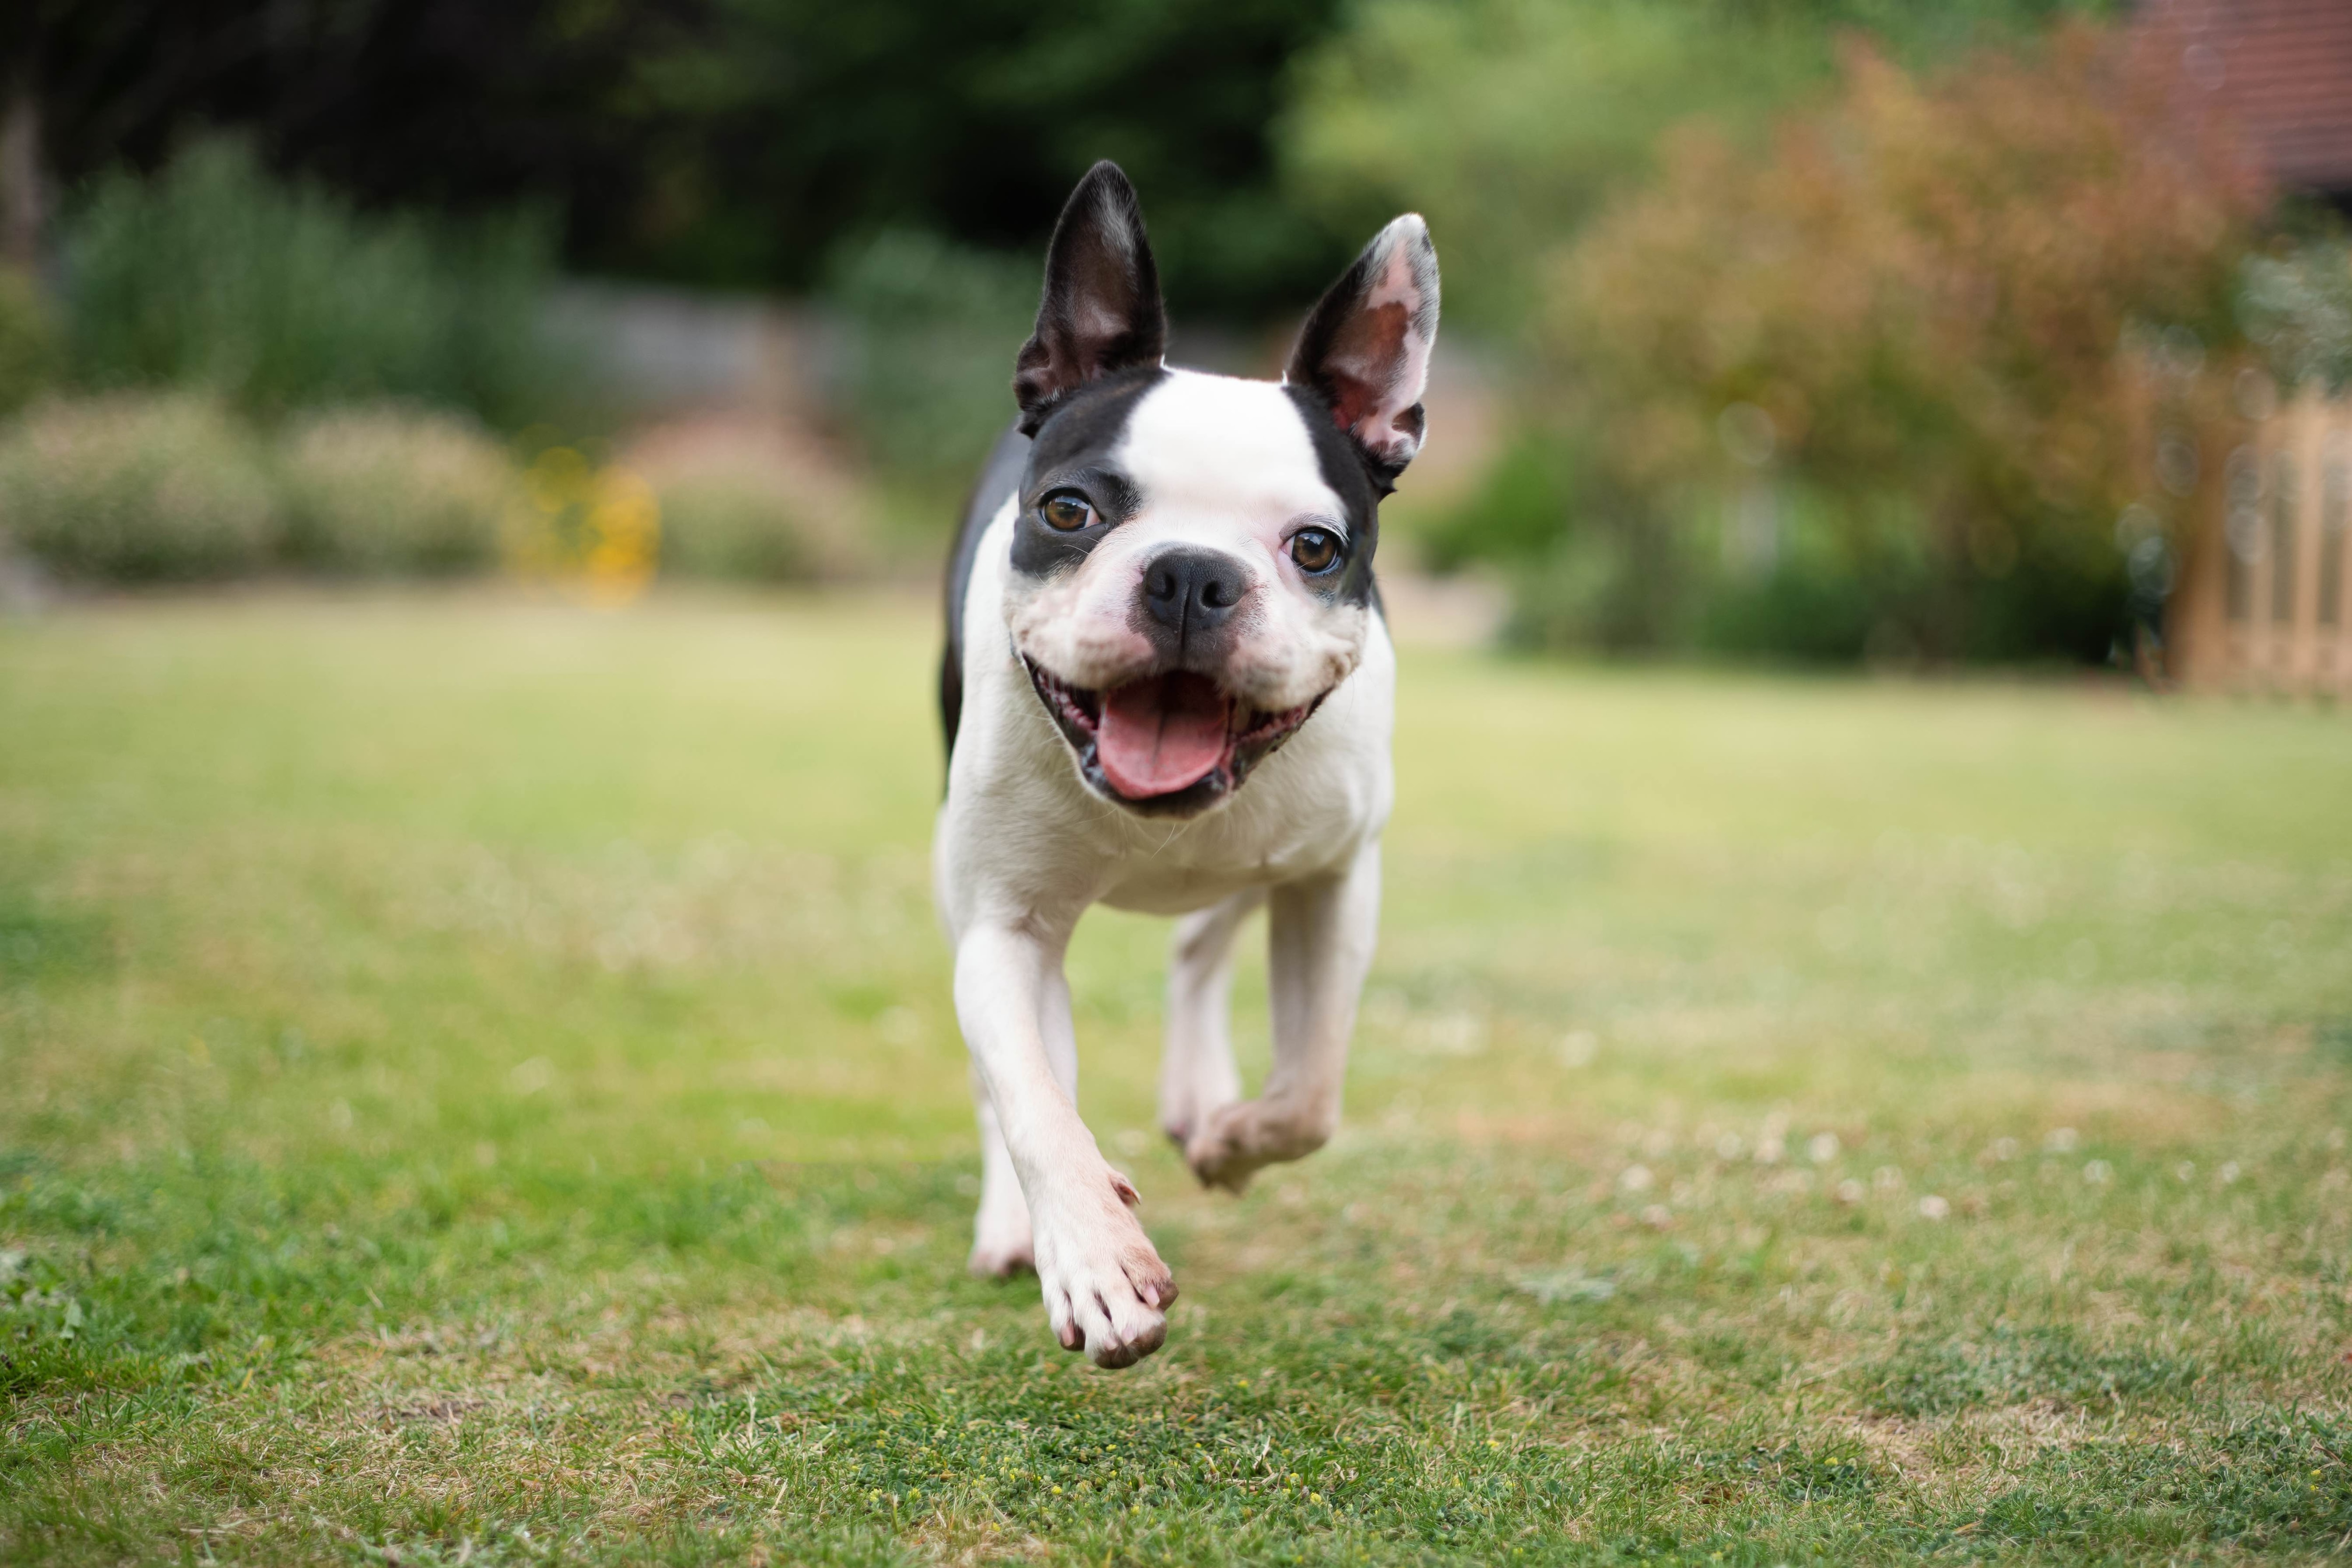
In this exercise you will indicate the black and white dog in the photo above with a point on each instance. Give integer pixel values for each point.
(1163, 591)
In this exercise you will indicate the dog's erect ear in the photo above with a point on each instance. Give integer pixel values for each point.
(1101, 311)
(1366, 346)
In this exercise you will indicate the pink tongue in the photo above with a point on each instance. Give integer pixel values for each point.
(1161, 735)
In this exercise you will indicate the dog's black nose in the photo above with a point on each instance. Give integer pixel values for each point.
(1191, 592)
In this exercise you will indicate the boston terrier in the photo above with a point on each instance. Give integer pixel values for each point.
(1168, 688)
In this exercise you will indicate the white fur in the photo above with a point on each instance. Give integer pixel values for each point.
(1025, 848)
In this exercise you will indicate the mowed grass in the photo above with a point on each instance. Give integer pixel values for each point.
(478, 1084)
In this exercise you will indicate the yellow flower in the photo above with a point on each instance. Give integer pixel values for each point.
(594, 532)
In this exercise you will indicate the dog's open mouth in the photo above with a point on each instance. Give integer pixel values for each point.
(1169, 742)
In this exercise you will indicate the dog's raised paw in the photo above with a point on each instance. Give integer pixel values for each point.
(1217, 1152)
(1239, 1140)
(1221, 1169)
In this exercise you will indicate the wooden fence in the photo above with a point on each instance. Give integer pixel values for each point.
(2265, 604)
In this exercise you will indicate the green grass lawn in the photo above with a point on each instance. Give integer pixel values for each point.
(478, 1084)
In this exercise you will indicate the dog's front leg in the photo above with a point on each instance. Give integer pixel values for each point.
(1319, 946)
(1003, 1242)
(1105, 1289)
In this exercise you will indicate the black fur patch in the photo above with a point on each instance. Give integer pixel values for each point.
(999, 477)
(1077, 442)
(1350, 473)
(1073, 451)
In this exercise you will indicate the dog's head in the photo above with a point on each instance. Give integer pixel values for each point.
(1192, 558)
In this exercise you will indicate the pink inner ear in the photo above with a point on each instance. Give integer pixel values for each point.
(1373, 343)
(1351, 403)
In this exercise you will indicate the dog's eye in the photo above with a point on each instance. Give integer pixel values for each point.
(1066, 513)
(1315, 549)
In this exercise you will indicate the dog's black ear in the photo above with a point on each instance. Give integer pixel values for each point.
(1101, 310)
(1365, 347)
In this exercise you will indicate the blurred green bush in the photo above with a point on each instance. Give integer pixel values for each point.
(29, 359)
(1508, 123)
(932, 329)
(141, 488)
(394, 491)
(137, 488)
(1512, 123)
(274, 297)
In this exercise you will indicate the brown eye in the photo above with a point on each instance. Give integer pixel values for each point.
(1066, 513)
(1315, 549)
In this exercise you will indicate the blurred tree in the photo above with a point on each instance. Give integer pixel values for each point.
(934, 327)
(1510, 122)
(725, 141)
(812, 122)
(1925, 293)
(24, 190)
(442, 102)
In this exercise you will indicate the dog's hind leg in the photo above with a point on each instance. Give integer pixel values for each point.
(1197, 1076)
(1001, 1242)
(1319, 948)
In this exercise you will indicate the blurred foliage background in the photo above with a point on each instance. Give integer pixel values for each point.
(1811, 330)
